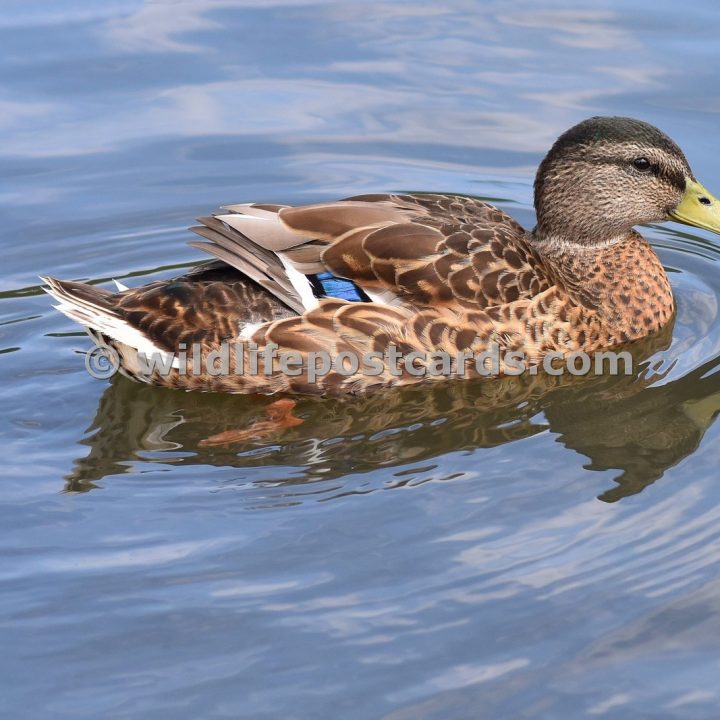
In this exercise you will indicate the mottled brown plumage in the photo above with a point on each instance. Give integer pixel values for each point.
(439, 273)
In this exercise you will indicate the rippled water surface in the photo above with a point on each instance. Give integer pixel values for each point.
(458, 553)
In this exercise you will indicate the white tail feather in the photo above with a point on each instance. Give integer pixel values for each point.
(103, 321)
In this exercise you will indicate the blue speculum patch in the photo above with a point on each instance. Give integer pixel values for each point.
(325, 284)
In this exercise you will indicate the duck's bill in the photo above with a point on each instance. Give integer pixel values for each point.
(698, 208)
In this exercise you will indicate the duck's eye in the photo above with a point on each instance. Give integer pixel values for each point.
(642, 164)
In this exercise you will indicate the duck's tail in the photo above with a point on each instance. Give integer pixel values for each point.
(86, 304)
(94, 309)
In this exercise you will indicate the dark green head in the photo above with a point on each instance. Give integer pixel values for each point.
(607, 174)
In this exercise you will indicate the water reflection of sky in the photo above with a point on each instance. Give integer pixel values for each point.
(503, 76)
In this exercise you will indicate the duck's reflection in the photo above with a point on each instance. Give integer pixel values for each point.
(636, 424)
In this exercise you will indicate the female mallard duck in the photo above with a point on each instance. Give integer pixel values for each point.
(426, 274)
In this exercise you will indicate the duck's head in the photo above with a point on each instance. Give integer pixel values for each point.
(607, 174)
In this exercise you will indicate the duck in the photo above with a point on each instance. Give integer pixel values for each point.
(324, 294)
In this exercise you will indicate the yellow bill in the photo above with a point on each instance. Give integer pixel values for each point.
(698, 207)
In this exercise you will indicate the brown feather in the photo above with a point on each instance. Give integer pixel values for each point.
(464, 274)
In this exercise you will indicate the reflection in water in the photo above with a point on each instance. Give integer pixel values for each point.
(629, 423)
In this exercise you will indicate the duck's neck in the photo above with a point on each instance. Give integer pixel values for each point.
(561, 245)
(620, 281)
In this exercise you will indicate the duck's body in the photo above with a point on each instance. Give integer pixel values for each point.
(424, 274)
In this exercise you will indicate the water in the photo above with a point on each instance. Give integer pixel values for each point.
(422, 555)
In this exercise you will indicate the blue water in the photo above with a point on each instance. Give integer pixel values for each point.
(440, 555)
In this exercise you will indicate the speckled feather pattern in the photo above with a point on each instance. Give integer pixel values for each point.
(465, 274)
